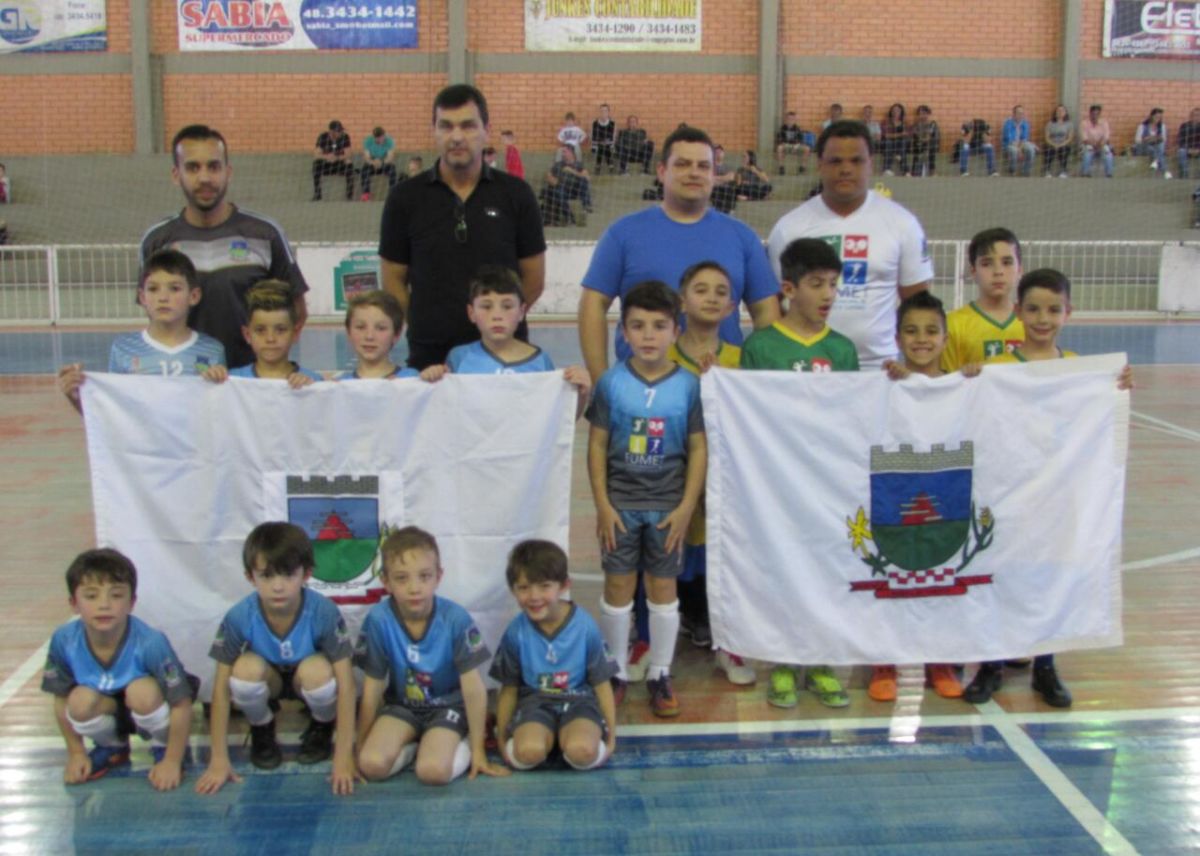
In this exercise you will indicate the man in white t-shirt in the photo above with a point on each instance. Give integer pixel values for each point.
(882, 245)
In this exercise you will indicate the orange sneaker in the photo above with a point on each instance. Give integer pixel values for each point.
(944, 681)
(883, 684)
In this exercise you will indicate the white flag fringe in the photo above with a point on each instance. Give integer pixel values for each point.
(853, 519)
(182, 470)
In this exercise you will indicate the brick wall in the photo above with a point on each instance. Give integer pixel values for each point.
(52, 114)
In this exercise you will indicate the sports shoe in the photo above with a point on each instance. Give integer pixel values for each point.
(963, 174)
(662, 697)
(700, 634)
(883, 684)
(1022, 663)
(264, 749)
(619, 688)
(735, 668)
(986, 681)
(943, 680)
(828, 689)
(1050, 688)
(994, 174)
(107, 758)
(639, 661)
(888, 172)
(1168, 175)
(782, 692)
(316, 743)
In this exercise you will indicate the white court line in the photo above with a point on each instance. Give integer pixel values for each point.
(1063, 789)
(1179, 430)
(588, 578)
(24, 672)
(1168, 559)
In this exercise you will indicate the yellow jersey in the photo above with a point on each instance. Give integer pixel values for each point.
(1018, 357)
(973, 336)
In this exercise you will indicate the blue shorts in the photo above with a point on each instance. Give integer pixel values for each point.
(642, 547)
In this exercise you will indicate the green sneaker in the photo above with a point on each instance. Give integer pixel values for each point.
(821, 680)
(782, 692)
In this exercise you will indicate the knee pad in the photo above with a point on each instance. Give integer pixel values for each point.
(323, 696)
(155, 721)
(512, 758)
(601, 754)
(101, 724)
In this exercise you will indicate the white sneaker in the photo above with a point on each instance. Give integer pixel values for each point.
(735, 669)
(1153, 165)
(1167, 174)
(888, 172)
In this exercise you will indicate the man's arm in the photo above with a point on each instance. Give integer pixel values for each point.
(533, 277)
(907, 291)
(395, 281)
(593, 331)
(765, 312)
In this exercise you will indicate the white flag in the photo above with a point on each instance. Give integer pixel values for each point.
(854, 519)
(182, 470)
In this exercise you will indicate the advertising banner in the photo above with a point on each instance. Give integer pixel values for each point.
(223, 25)
(52, 26)
(612, 25)
(1162, 29)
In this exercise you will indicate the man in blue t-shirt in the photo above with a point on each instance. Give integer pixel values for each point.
(660, 243)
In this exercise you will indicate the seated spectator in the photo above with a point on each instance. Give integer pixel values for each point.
(1189, 142)
(566, 179)
(416, 165)
(4, 185)
(790, 141)
(873, 128)
(895, 140)
(513, 164)
(1150, 140)
(1060, 135)
(752, 182)
(1195, 215)
(489, 158)
(570, 134)
(1019, 149)
(926, 142)
(634, 147)
(604, 135)
(379, 157)
(724, 192)
(976, 138)
(332, 154)
(1095, 139)
(835, 113)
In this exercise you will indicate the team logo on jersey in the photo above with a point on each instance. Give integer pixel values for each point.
(474, 638)
(821, 365)
(856, 247)
(418, 686)
(340, 514)
(924, 529)
(554, 682)
(239, 250)
(647, 439)
(172, 675)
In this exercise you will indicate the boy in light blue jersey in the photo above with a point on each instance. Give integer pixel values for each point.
(424, 694)
(646, 459)
(168, 289)
(497, 306)
(110, 673)
(553, 667)
(271, 327)
(374, 323)
(282, 641)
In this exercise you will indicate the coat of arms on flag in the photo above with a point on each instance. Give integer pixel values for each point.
(341, 515)
(924, 527)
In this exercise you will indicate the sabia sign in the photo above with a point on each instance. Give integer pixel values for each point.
(246, 15)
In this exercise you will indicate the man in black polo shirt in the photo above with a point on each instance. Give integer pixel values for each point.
(441, 225)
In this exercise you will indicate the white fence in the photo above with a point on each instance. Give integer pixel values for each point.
(95, 284)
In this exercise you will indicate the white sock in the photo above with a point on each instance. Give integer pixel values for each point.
(664, 631)
(156, 723)
(601, 754)
(252, 698)
(512, 758)
(101, 729)
(322, 702)
(462, 759)
(614, 624)
(407, 752)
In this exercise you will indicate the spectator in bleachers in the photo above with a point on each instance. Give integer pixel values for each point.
(1095, 138)
(570, 134)
(873, 128)
(790, 141)
(1150, 140)
(926, 142)
(333, 157)
(724, 192)
(1059, 137)
(4, 185)
(513, 164)
(752, 182)
(835, 113)
(566, 179)
(1189, 141)
(895, 140)
(1019, 149)
(416, 165)
(379, 158)
(604, 135)
(633, 146)
(976, 138)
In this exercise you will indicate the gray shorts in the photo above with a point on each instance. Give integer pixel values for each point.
(642, 547)
(556, 714)
(424, 718)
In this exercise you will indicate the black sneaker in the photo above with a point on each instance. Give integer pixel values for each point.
(1050, 688)
(986, 681)
(264, 750)
(316, 743)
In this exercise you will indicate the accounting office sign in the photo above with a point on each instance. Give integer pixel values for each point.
(1164, 29)
(612, 25)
